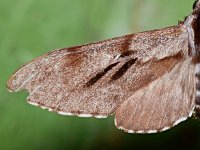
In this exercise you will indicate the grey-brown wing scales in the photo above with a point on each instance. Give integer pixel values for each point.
(96, 79)
(164, 103)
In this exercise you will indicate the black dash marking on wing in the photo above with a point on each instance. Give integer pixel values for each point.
(127, 53)
(99, 75)
(123, 69)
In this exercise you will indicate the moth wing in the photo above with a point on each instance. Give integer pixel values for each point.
(95, 79)
(166, 102)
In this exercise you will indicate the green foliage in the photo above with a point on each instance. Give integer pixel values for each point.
(29, 28)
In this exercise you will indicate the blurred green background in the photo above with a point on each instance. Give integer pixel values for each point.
(29, 28)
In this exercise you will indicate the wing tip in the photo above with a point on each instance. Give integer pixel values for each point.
(21, 77)
(13, 84)
(9, 85)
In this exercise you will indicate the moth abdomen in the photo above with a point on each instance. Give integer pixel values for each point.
(197, 96)
(197, 112)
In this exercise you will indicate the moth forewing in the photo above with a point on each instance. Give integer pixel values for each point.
(147, 78)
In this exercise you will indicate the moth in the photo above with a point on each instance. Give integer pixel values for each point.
(149, 80)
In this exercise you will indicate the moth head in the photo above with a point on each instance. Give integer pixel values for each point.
(196, 5)
(196, 9)
(194, 22)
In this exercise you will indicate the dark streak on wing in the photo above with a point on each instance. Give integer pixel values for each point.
(99, 75)
(127, 53)
(123, 69)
